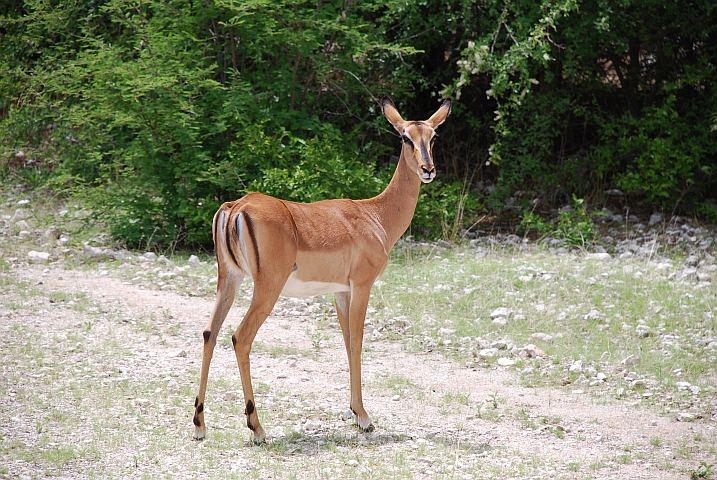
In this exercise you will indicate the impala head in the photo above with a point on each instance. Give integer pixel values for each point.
(418, 137)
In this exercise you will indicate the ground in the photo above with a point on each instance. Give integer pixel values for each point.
(99, 376)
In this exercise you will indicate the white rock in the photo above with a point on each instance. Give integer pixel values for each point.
(38, 257)
(594, 315)
(655, 218)
(695, 390)
(683, 385)
(601, 376)
(598, 256)
(500, 322)
(505, 362)
(685, 417)
(501, 312)
(577, 366)
(631, 360)
(150, 256)
(488, 353)
(312, 425)
(543, 337)
(533, 351)
(193, 260)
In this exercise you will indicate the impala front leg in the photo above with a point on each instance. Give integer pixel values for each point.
(357, 315)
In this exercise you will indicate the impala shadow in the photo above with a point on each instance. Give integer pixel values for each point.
(298, 443)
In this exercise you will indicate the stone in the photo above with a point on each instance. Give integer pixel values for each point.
(643, 331)
(19, 214)
(38, 257)
(543, 337)
(655, 218)
(598, 256)
(576, 367)
(151, 256)
(685, 417)
(631, 360)
(499, 344)
(500, 322)
(311, 425)
(686, 274)
(505, 362)
(93, 252)
(533, 351)
(52, 233)
(193, 260)
(601, 376)
(501, 312)
(594, 315)
(488, 353)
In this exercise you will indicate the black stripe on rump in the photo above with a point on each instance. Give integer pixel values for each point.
(227, 233)
(250, 227)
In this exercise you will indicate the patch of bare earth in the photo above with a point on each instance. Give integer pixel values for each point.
(434, 418)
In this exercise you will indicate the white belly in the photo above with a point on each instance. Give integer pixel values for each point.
(297, 288)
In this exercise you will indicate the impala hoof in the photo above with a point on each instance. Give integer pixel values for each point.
(259, 436)
(368, 429)
(199, 433)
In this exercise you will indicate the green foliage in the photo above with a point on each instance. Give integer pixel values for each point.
(158, 111)
(444, 209)
(703, 471)
(574, 225)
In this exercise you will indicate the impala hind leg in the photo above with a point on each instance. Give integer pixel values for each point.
(261, 306)
(351, 310)
(226, 289)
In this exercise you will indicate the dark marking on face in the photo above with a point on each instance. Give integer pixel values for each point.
(200, 408)
(294, 268)
(252, 234)
(234, 341)
(249, 407)
(424, 152)
(206, 334)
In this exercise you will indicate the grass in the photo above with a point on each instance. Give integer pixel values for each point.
(555, 295)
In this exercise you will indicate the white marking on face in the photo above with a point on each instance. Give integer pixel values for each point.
(297, 288)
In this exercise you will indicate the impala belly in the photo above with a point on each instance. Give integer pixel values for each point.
(298, 288)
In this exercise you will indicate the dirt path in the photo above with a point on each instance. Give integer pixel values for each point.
(434, 418)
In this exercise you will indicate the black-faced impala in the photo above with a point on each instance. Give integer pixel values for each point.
(300, 250)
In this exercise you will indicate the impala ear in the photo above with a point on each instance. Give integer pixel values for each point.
(440, 116)
(392, 115)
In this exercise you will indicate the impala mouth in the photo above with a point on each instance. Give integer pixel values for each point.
(428, 177)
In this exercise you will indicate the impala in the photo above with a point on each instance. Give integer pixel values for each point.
(298, 250)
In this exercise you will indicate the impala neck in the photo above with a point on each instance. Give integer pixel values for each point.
(396, 205)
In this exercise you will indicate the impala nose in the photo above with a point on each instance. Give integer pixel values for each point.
(429, 172)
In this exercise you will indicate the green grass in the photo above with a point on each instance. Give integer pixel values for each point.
(448, 299)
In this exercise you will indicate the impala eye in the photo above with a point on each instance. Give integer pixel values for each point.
(407, 139)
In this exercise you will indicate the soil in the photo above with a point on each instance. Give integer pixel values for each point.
(497, 422)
